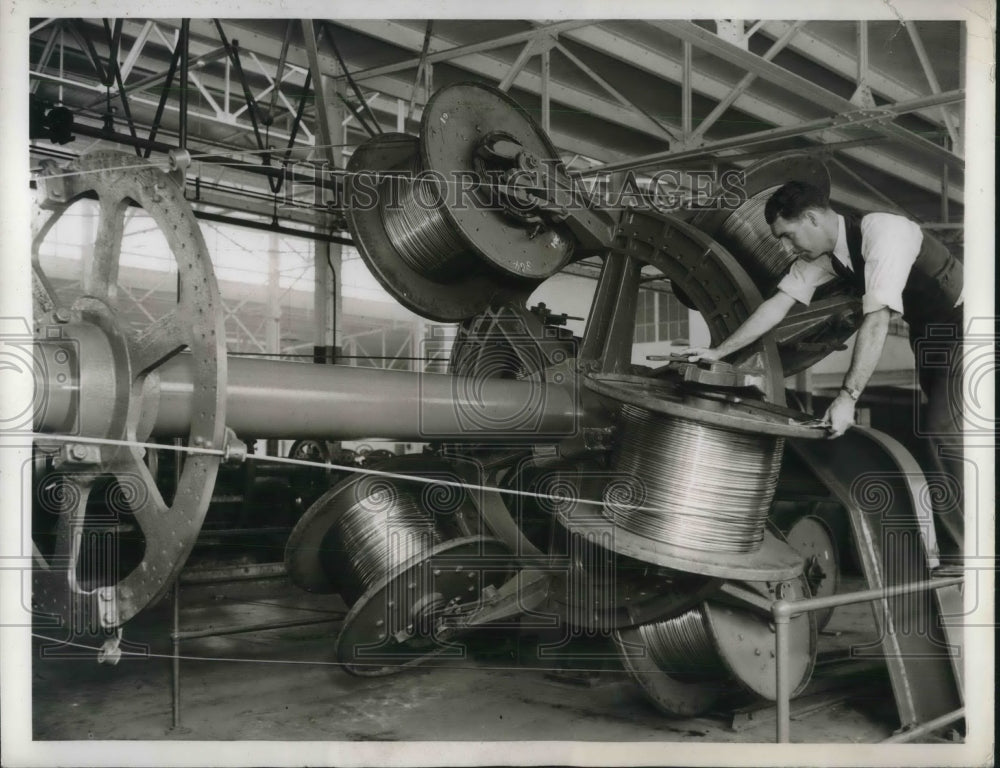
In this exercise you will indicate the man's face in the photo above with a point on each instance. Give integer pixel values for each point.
(802, 237)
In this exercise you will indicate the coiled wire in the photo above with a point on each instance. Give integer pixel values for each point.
(760, 253)
(711, 487)
(682, 644)
(420, 233)
(384, 529)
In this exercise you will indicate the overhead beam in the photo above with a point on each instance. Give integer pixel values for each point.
(495, 69)
(269, 47)
(855, 117)
(711, 43)
(740, 88)
(515, 69)
(625, 102)
(932, 81)
(813, 47)
(638, 55)
(458, 51)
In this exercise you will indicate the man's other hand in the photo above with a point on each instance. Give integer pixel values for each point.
(694, 354)
(840, 414)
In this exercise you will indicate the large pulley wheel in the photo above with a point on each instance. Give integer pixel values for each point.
(116, 366)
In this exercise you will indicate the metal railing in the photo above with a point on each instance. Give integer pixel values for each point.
(784, 610)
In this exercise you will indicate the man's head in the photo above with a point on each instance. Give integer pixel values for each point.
(800, 217)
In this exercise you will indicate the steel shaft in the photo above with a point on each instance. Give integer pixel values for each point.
(279, 399)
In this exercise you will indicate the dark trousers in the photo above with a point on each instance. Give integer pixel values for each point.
(937, 349)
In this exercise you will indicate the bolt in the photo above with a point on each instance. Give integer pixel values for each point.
(61, 356)
(381, 635)
(62, 315)
(391, 603)
(471, 589)
(78, 452)
(379, 623)
(471, 575)
(437, 571)
(411, 585)
(756, 651)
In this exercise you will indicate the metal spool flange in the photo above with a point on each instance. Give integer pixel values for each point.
(811, 537)
(456, 122)
(392, 625)
(744, 640)
(370, 172)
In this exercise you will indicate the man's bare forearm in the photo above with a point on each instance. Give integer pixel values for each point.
(867, 349)
(763, 319)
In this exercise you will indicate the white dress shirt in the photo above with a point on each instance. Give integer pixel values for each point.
(889, 245)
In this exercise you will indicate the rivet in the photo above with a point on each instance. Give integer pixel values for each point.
(756, 651)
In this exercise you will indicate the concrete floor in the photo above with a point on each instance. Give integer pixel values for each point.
(285, 685)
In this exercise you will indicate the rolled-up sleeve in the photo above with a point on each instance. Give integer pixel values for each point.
(805, 277)
(890, 245)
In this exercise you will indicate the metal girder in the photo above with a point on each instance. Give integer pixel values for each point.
(740, 88)
(269, 48)
(323, 120)
(458, 51)
(811, 46)
(854, 117)
(515, 69)
(640, 56)
(496, 69)
(932, 81)
(668, 132)
(706, 41)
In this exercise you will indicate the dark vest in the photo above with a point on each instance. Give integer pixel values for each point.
(934, 283)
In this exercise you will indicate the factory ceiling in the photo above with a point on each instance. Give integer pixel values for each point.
(881, 101)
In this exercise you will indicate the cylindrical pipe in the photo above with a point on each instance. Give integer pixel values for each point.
(925, 728)
(183, 42)
(279, 399)
(868, 595)
(240, 629)
(175, 666)
(783, 724)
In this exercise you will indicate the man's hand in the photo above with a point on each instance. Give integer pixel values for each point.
(840, 414)
(694, 354)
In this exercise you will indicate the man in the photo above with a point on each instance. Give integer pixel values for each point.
(897, 270)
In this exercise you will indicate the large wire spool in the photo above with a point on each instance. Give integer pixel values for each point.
(384, 529)
(425, 216)
(742, 229)
(762, 254)
(417, 227)
(400, 554)
(696, 485)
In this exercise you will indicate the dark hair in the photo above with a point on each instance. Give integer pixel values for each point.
(792, 199)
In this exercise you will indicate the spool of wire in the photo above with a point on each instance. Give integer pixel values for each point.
(418, 228)
(692, 485)
(682, 645)
(760, 253)
(382, 531)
